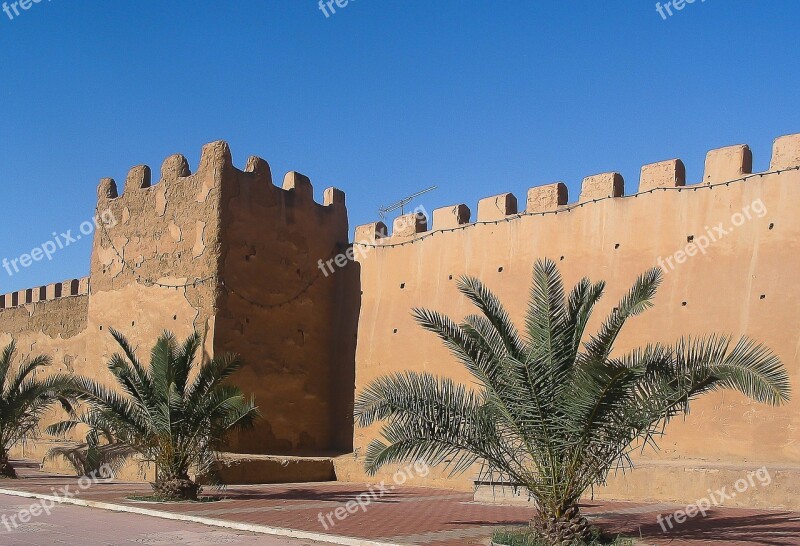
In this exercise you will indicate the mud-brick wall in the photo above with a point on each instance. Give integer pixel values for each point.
(156, 253)
(227, 253)
(53, 326)
(293, 325)
(151, 238)
(744, 283)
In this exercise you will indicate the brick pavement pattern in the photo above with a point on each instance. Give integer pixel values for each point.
(404, 515)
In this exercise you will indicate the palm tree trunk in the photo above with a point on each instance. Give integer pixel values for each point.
(171, 487)
(568, 529)
(6, 470)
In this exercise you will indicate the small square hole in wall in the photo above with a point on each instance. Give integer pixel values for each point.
(394, 331)
(174, 317)
(616, 246)
(402, 285)
(561, 259)
(449, 277)
(763, 297)
(683, 304)
(771, 225)
(133, 323)
(499, 269)
(690, 238)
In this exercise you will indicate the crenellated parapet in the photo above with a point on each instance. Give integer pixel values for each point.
(169, 232)
(215, 161)
(55, 291)
(722, 166)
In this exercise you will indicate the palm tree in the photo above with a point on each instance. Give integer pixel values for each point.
(24, 398)
(169, 419)
(554, 410)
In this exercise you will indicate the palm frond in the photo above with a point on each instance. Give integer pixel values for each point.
(25, 397)
(636, 301)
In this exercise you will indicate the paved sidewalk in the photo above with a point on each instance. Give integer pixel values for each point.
(408, 515)
(68, 524)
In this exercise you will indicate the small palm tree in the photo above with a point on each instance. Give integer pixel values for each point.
(554, 410)
(163, 414)
(24, 398)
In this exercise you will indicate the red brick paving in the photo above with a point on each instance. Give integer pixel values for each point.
(410, 515)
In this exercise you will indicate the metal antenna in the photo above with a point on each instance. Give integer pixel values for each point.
(383, 211)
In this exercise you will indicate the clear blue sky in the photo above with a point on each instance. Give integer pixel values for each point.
(381, 99)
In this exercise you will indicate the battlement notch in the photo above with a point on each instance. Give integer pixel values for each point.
(371, 233)
(664, 174)
(728, 163)
(546, 198)
(497, 207)
(602, 186)
(785, 152)
(451, 217)
(49, 292)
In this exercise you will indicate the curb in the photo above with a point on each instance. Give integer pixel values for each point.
(261, 529)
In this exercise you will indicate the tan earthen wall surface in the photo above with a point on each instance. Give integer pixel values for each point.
(230, 254)
(56, 328)
(283, 315)
(745, 283)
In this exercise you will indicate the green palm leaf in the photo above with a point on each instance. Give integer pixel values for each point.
(25, 396)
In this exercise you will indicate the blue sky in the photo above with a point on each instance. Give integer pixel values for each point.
(381, 99)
